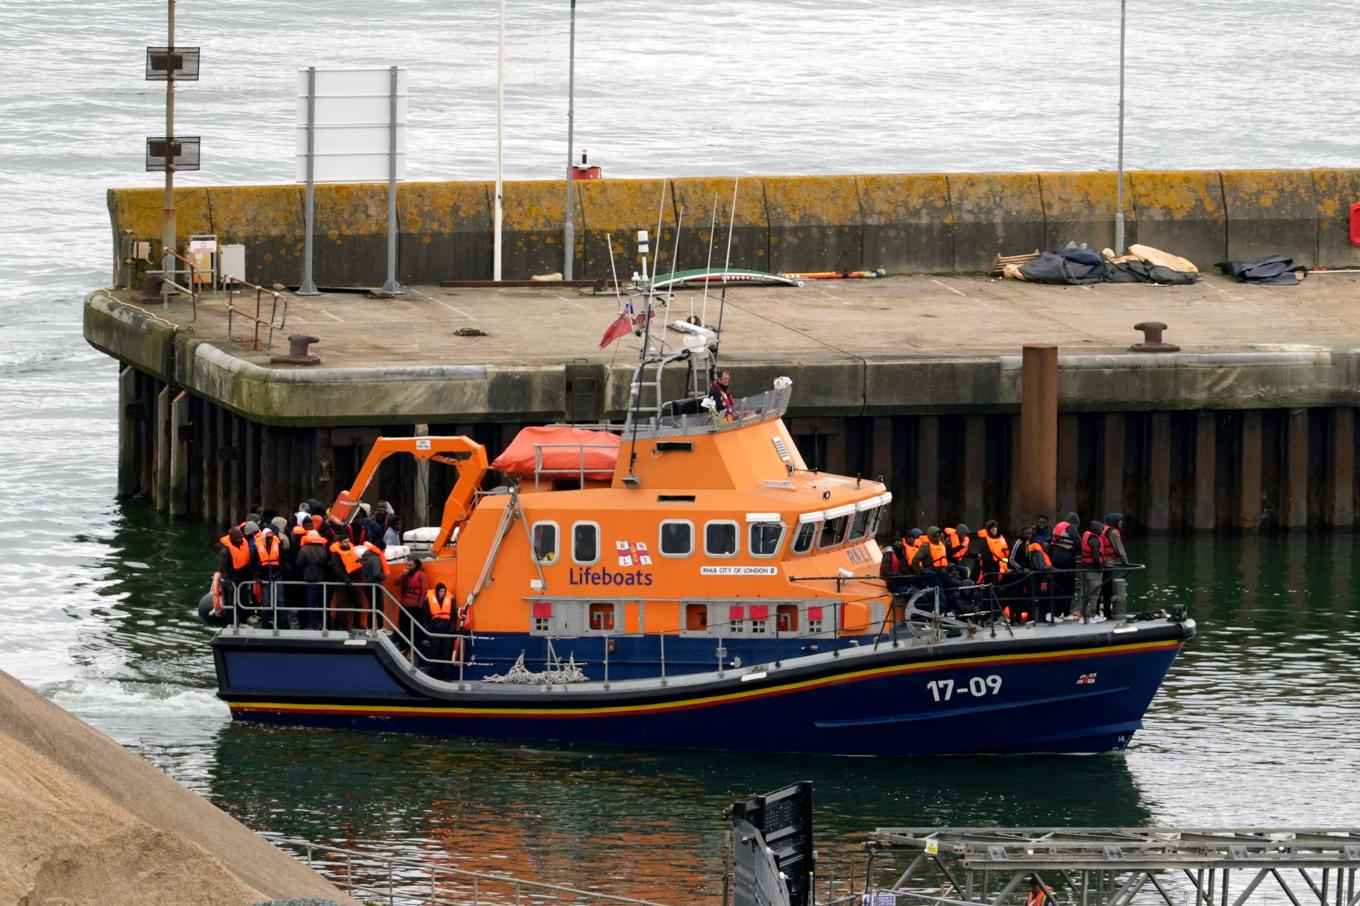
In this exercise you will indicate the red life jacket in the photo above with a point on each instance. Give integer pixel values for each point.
(1060, 536)
(1106, 545)
(1087, 556)
(891, 565)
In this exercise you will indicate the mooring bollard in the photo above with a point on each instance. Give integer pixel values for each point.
(1152, 338)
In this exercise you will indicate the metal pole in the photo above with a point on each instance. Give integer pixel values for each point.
(500, 122)
(168, 205)
(392, 286)
(568, 239)
(308, 287)
(1119, 191)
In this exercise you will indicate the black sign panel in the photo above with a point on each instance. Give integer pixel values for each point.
(784, 819)
(182, 153)
(182, 62)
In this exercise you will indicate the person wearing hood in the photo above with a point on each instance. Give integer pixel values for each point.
(1063, 549)
(1092, 564)
(314, 568)
(1112, 547)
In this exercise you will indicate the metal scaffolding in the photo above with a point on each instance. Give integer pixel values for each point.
(1174, 866)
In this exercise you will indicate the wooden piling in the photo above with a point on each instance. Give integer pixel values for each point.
(1206, 455)
(1158, 491)
(927, 469)
(1249, 471)
(1068, 433)
(974, 470)
(127, 423)
(177, 503)
(1112, 466)
(1039, 429)
(161, 486)
(1342, 510)
(1295, 508)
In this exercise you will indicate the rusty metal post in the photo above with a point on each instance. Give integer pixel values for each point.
(1039, 430)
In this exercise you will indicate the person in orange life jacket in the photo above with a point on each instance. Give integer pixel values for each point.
(440, 606)
(233, 569)
(347, 567)
(1092, 562)
(959, 540)
(994, 553)
(1041, 589)
(314, 568)
(932, 563)
(718, 392)
(375, 572)
(1037, 896)
(414, 586)
(911, 543)
(1112, 546)
(1064, 548)
(268, 549)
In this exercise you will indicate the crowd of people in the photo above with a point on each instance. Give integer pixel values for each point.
(324, 572)
(1050, 572)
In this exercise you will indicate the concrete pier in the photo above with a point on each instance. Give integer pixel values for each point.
(1251, 425)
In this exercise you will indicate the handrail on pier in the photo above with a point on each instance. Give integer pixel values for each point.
(256, 319)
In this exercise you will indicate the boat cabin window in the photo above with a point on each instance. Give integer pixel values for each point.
(696, 617)
(802, 542)
(833, 532)
(585, 543)
(765, 538)
(859, 525)
(601, 617)
(677, 538)
(720, 539)
(786, 617)
(545, 542)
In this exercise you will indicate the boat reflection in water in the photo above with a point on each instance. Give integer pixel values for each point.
(634, 823)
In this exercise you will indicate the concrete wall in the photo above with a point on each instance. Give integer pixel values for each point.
(907, 224)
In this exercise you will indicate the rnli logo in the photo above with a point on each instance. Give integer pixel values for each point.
(608, 578)
(632, 552)
(1086, 679)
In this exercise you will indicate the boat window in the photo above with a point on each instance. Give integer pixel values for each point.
(545, 542)
(802, 542)
(860, 525)
(875, 519)
(720, 539)
(696, 617)
(677, 538)
(602, 617)
(765, 538)
(833, 532)
(585, 543)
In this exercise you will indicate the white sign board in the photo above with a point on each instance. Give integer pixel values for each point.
(353, 110)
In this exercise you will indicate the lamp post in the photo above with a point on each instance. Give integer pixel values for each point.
(500, 124)
(168, 205)
(1119, 190)
(568, 239)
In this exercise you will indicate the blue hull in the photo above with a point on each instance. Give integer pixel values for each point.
(1083, 691)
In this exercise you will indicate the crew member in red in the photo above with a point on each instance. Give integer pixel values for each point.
(1112, 548)
(1063, 549)
(1092, 562)
(718, 392)
(440, 604)
(414, 586)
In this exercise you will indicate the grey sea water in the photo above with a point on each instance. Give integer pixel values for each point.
(1259, 721)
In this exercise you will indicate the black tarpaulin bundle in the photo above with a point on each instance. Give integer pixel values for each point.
(1275, 269)
(1074, 266)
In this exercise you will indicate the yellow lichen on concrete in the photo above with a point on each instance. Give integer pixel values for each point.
(1177, 194)
(442, 208)
(812, 201)
(1269, 194)
(351, 209)
(698, 194)
(1082, 196)
(622, 206)
(990, 197)
(253, 212)
(140, 211)
(534, 205)
(908, 198)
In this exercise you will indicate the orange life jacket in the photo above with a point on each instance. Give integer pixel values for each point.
(1036, 547)
(939, 556)
(268, 549)
(440, 609)
(349, 556)
(1000, 551)
(240, 553)
(313, 537)
(911, 547)
(1036, 898)
(958, 545)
